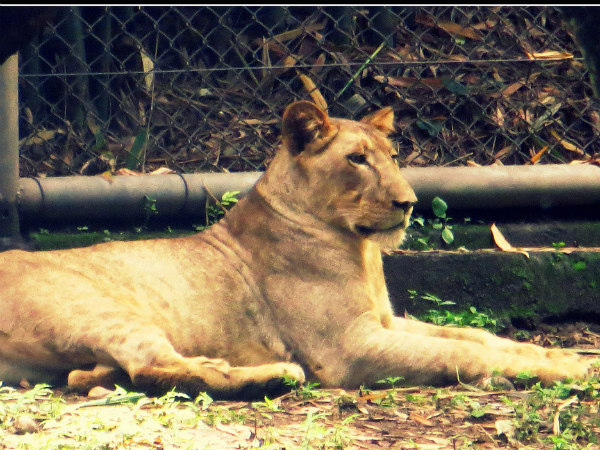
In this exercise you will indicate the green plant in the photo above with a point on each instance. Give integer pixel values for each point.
(525, 379)
(320, 435)
(439, 208)
(560, 407)
(305, 391)
(390, 398)
(417, 399)
(172, 397)
(136, 156)
(391, 381)
(214, 212)
(439, 223)
(466, 318)
(203, 400)
(271, 405)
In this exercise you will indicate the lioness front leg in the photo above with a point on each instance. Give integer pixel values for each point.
(373, 353)
(483, 337)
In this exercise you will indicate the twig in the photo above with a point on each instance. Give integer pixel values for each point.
(369, 59)
(468, 387)
(563, 405)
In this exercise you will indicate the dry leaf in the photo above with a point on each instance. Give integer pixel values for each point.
(421, 419)
(266, 62)
(318, 64)
(314, 92)
(535, 158)
(503, 244)
(451, 27)
(507, 92)
(507, 428)
(549, 55)
(435, 83)
(162, 171)
(292, 34)
(484, 25)
(454, 28)
(566, 144)
(41, 136)
(503, 152)
(498, 117)
(148, 66)
(271, 46)
(289, 61)
(92, 125)
(125, 171)
(563, 405)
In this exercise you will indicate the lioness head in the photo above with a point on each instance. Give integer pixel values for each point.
(343, 172)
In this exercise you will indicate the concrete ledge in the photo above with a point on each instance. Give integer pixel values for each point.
(549, 283)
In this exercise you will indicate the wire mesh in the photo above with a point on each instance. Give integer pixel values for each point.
(202, 88)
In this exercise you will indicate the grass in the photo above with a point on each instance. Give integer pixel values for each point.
(563, 416)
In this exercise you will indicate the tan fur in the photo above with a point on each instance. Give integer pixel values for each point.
(290, 282)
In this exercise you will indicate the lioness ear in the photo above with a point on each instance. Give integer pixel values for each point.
(305, 126)
(383, 119)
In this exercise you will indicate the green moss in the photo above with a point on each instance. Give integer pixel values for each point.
(44, 240)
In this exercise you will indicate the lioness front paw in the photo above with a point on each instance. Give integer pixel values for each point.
(569, 367)
(291, 371)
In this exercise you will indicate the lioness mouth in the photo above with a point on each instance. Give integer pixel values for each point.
(367, 231)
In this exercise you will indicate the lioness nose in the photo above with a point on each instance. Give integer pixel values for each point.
(403, 205)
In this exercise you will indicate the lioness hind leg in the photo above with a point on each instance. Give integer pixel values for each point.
(198, 374)
(153, 364)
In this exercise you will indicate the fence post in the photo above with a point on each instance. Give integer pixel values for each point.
(9, 154)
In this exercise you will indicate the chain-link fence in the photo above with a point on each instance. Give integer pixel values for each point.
(202, 88)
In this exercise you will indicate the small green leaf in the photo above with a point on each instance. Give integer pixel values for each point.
(150, 205)
(432, 128)
(100, 141)
(134, 160)
(477, 413)
(424, 241)
(419, 221)
(579, 265)
(455, 87)
(439, 207)
(447, 235)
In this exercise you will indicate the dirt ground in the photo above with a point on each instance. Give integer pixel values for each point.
(459, 417)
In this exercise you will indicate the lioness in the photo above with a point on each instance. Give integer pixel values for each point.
(289, 283)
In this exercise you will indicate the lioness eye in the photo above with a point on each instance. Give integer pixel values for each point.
(357, 158)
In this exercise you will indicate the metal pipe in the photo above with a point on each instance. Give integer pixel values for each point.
(125, 198)
(122, 198)
(493, 187)
(9, 151)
